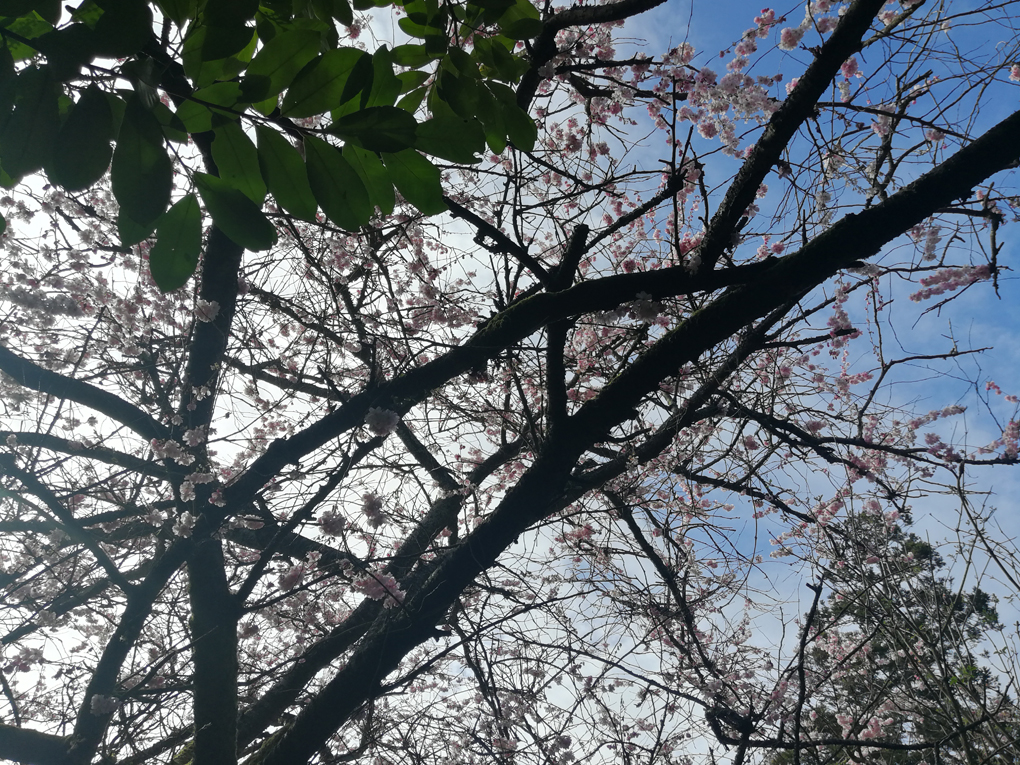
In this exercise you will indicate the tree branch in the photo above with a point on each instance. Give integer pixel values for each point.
(34, 377)
(32, 747)
(798, 107)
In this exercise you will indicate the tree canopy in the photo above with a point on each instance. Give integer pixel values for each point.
(467, 382)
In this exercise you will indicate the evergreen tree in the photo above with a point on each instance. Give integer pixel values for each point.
(895, 656)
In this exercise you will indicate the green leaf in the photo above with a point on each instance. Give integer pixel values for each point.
(437, 45)
(282, 58)
(117, 107)
(372, 173)
(28, 27)
(254, 88)
(318, 86)
(412, 100)
(521, 22)
(327, 10)
(132, 233)
(266, 107)
(173, 128)
(358, 81)
(124, 27)
(412, 56)
(510, 67)
(385, 85)
(67, 50)
(3, 225)
(27, 138)
(235, 214)
(8, 80)
(520, 128)
(222, 42)
(464, 64)
(337, 186)
(498, 60)
(229, 13)
(343, 12)
(425, 24)
(142, 173)
(82, 150)
(285, 174)
(490, 114)
(237, 160)
(417, 179)
(178, 11)
(197, 114)
(452, 138)
(87, 13)
(204, 71)
(47, 9)
(411, 80)
(414, 29)
(495, 7)
(174, 256)
(460, 93)
(377, 128)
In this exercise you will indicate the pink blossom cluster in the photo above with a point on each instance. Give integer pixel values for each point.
(24, 660)
(845, 380)
(764, 23)
(1011, 439)
(840, 320)
(187, 490)
(938, 448)
(714, 101)
(380, 586)
(876, 727)
(170, 449)
(103, 705)
(579, 534)
(790, 37)
(292, 577)
(882, 124)
(931, 235)
(815, 15)
(372, 507)
(950, 279)
(206, 310)
(644, 308)
(184, 524)
(504, 746)
(380, 421)
(332, 523)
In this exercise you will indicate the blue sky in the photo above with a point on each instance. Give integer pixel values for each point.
(977, 319)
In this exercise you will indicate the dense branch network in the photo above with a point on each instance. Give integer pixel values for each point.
(489, 486)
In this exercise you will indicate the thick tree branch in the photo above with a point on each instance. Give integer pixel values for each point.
(68, 523)
(501, 242)
(31, 747)
(529, 500)
(90, 726)
(98, 453)
(34, 377)
(798, 107)
(543, 49)
(214, 633)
